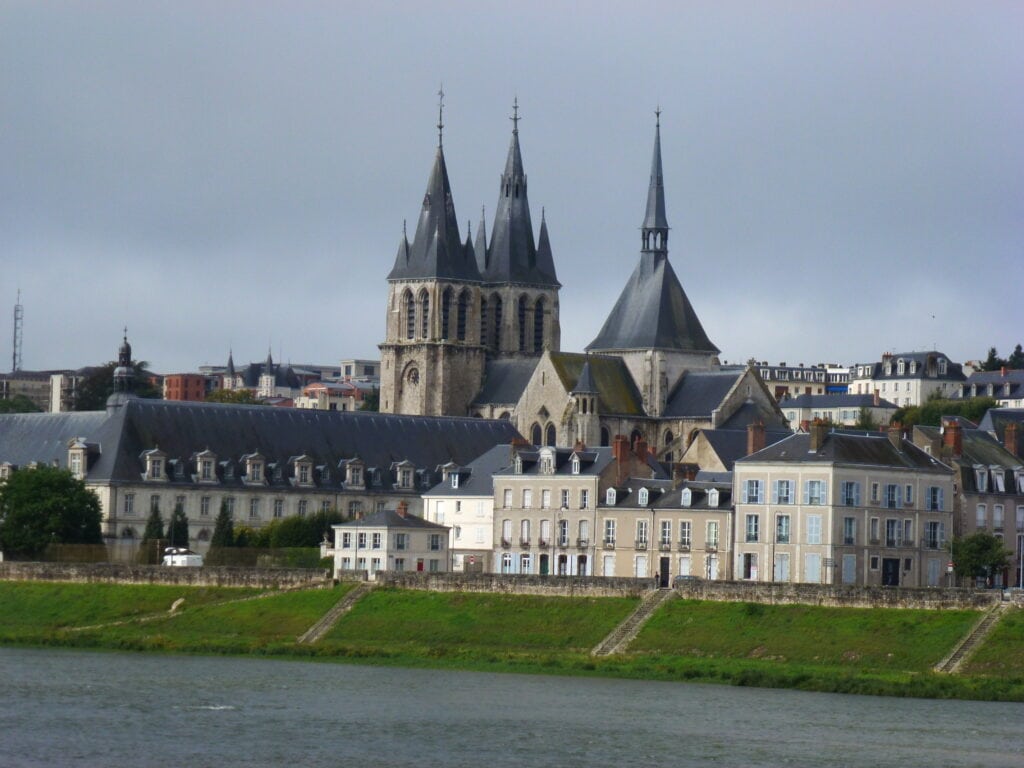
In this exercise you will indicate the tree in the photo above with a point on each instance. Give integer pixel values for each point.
(865, 420)
(177, 528)
(981, 554)
(18, 404)
(992, 362)
(371, 401)
(931, 413)
(98, 385)
(234, 397)
(154, 525)
(45, 506)
(223, 528)
(1016, 359)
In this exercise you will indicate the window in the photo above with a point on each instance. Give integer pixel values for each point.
(254, 508)
(981, 516)
(278, 507)
(405, 478)
(524, 563)
(782, 492)
(642, 497)
(355, 508)
(129, 504)
(527, 498)
(814, 492)
(304, 473)
(524, 532)
(712, 536)
(375, 564)
(229, 505)
(934, 535)
(255, 471)
(752, 528)
(908, 533)
(401, 541)
(154, 503)
(686, 497)
(506, 563)
(874, 562)
(303, 507)
(999, 479)
(750, 566)
(434, 566)
(935, 498)
(893, 533)
(753, 492)
(851, 493)
(361, 540)
(1020, 518)
(609, 532)
(563, 533)
(545, 499)
(399, 563)
(375, 540)
(908, 494)
(782, 529)
(156, 469)
(874, 530)
(849, 530)
(997, 516)
(641, 534)
(892, 496)
(713, 497)
(206, 469)
(609, 497)
(685, 533)
(814, 529)
(584, 533)
(506, 532)
(506, 499)
(355, 475)
(346, 540)
(874, 493)
(981, 479)
(575, 465)
(666, 533)
(584, 499)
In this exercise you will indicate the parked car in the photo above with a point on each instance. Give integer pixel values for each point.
(179, 556)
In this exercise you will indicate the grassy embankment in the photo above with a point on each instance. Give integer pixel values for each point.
(888, 652)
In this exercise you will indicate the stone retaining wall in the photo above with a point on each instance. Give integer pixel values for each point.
(117, 573)
(838, 596)
(565, 586)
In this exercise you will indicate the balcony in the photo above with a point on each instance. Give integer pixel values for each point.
(873, 541)
(609, 543)
(582, 543)
(640, 544)
(684, 546)
(506, 543)
(934, 544)
(782, 538)
(563, 543)
(665, 546)
(752, 538)
(711, 546)
(542, 543)
(524, 541)
(893, 542)
(849, 541)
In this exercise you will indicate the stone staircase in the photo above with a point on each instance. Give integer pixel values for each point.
(329, 619)
(623, 634)
(951, 664)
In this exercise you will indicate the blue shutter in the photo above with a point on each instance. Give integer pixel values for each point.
(746, 486)
(775, 491)
(807, 491)
(856, 494)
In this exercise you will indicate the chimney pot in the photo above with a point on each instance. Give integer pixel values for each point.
(818, 431)
(755, 437)
(1010, 440)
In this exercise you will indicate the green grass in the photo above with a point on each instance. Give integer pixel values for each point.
(33, 609)
(1002, 653)
(883, 639)
(401, 621)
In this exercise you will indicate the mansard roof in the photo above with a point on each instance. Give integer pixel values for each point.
(437, 250)
(179, 429)
(849, 448)
(653, 312)
(836, 400)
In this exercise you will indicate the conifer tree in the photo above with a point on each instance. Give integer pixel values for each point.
(177, 528)
(223, 528)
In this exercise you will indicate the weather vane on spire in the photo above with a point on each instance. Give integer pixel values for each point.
(440, 115)
(657, 116)
(515, 115)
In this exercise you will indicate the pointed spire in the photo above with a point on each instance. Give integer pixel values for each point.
(440, 117)
(231, 363)
(545, 259)
(655, 226)
(585, 385)
(480, 246)
(124, 373)
(270, 361)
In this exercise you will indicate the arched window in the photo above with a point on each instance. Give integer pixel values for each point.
(484, 338)
(446, 313)
(606, 437)
(204, 535)
(424, 315)
(635, 437)
(496, 325)
(128, 533)
(460, 323)
(549, 437)
(669, 454)
(538, 326)
(522, 323)
(410, 315)
(505, 416)
(535, 434)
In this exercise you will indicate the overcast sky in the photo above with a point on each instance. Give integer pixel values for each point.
(841, 179)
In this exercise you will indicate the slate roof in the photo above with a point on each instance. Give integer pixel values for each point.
(838, 400)
(751, 412)
(505, 380)
(996, 419)
(512, 256)
(388, 518)
(476, 479)
(437, 250)
(731, 444)
(593, 461)
(978, 447)
(617, 392)
(698, 393)
(182, 429)
(868, 449)
(927, 367)
(654, 217)
(994, 384)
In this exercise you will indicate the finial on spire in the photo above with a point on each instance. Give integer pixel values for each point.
(515, 115)
(440, 116)
(405, 233)
(657, 116)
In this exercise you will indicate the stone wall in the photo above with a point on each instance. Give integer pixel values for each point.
(838, 596)
(564, 586)
(116, 573)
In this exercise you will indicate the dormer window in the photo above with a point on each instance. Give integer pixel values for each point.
(156, 469)
(913, 367)
(643, 497)
(547, 463)
(686, 497)
(304, 473)
(156, 465)
(981, 479)
(517, 467)
(355, 476)
(575, 465)
(901, 367)
(206, 470)
(76, 460)
(254, 468)
(998, 479)
(609, 497)
(713, 497)
(6, 470)
(888, 369)
(942, 366)
(405, 478)
(455, 479)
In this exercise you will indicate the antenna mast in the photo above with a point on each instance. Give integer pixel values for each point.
(19, 314)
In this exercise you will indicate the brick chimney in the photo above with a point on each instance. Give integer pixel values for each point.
(805, 426)
(641, 451)
(620, 448)
(755, 437)
(953, 439)
(403, 508)
(818, 430)
(1010, 439)
(896, 435)
(579, 446)
(876, 400)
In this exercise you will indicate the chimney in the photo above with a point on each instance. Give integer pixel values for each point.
(876, 400)
(1010, 439)
(620, 448)
(755, 437)
(403, 508)
(896, 435)
(818, 431)
(1002, 371)
(953, 439)
(805, 426)
(641, 451)
(579, 446)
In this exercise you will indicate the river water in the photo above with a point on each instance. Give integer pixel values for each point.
(72, 708)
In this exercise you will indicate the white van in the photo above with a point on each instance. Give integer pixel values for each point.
(178, 556)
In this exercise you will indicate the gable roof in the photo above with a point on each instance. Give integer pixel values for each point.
(475, 479)
(505, 381)
(865, 449)
(836, 400)
(698, 393)
(389, 518)
(731, 444)
(617, 392)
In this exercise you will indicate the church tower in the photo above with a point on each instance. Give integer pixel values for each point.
(432, 359)
(519, 304)
(653, 327)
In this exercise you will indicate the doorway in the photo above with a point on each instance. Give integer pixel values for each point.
(544, 565)
(663, 568)
(890, 571)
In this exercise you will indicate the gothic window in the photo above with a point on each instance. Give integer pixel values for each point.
(549, 437)
(424, 315)
(538, 326)
(410, 315)
(535, 434)
(413, 376)
(483, 321)
(496, 325)
(446, 313)
(460, 321)
(522, 323)
(606, 438)
(635, 438)
(669, 455)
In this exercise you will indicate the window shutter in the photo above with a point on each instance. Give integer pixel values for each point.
(824, 491)
(807, 491)
(775, 491)
(746, 486)
(856, 494)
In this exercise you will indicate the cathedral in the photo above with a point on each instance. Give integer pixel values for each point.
(473, 329)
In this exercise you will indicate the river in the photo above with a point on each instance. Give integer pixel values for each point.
(73, 708)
